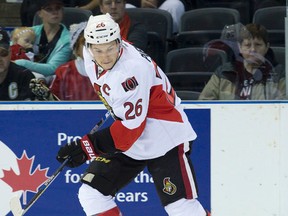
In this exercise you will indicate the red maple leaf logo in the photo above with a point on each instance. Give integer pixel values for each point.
(26, 180)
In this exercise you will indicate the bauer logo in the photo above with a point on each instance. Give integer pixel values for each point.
(17, 177)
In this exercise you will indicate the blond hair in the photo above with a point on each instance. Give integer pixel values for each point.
(16, 34)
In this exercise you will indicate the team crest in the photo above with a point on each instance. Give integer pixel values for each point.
(169, 187)
(130, 84)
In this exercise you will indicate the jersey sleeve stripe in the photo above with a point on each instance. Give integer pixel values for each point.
(124, 137)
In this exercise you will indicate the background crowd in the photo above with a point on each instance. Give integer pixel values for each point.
(44, 61)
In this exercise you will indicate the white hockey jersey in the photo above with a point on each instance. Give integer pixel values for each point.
(151, 120)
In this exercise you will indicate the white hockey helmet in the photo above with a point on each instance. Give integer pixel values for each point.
(101, 29)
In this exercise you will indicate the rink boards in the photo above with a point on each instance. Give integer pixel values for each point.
(239, 158)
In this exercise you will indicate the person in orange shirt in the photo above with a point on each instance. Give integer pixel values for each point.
(130, 30)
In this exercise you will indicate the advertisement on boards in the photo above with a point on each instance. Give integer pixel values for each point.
(30, 139)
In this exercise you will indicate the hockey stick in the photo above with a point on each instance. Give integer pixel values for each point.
(15, 203)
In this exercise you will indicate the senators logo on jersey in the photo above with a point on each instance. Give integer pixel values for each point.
(130, 84)
(169, 187)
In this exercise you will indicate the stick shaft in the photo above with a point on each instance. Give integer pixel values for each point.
(101, 122)
(44, 187)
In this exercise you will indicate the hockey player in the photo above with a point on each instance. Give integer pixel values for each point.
(150, 128)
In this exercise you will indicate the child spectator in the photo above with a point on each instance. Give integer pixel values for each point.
(23, 39)
(14, 79)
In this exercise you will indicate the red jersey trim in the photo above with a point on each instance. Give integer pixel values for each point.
(187, 185)
(160, 107)
(123, 137)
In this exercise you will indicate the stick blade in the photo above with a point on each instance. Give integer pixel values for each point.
(15, 206)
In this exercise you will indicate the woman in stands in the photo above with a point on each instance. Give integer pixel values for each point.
(71, 81)
(52, 40)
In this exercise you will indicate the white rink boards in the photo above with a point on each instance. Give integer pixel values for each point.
(248, 152)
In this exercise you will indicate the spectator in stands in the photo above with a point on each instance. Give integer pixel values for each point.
(92, 5)
(23, 39)
(52, 40)
(71, 81)
(14, 79)
(30, 7)
(258, 76)
(131, 30)
(175, 7)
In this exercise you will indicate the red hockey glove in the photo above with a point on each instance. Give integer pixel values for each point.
(79, 151)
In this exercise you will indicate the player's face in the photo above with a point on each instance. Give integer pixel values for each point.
(254, 50)
(26, 40)
(106, 54)
(4, 62)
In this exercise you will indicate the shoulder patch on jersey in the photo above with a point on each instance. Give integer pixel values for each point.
(130, 84)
